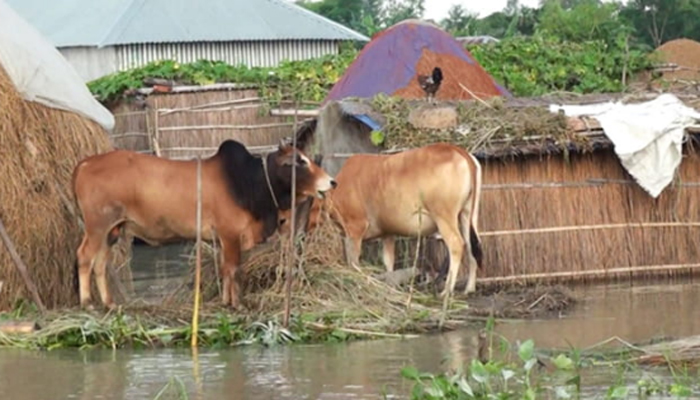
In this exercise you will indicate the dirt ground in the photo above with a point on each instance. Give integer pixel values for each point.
(522, 302)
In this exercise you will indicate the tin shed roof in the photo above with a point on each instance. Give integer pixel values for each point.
(69, 23)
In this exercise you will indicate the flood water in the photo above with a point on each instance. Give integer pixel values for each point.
(359, 370)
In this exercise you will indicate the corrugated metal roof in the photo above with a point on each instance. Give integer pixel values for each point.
(110, 22)
(477, 39)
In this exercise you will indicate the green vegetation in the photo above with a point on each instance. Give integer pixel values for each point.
(310, 79)
(541, 64)
(527, 66)
(160, 328)
(526, 373)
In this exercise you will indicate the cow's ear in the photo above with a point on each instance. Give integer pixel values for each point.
(281, 145)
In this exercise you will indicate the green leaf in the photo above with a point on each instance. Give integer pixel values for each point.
(619, 392)
(465, 387)
(410, 372)
(435, 392)
(563, 362)
(377, 138)
(526, 350)
(529, 394)
(479, 372)
(680, 390)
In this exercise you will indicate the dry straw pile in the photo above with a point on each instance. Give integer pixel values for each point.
(323, 286)
(39, 147)
(479, 124)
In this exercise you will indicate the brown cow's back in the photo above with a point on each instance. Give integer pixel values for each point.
(390, 190)
(161, 205)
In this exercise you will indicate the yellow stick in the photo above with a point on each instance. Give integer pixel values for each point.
(198, 266)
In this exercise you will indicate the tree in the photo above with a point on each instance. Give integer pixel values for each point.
(584, 20)
(460, 21)
(657, 21)
(398, 10)
(366, 16)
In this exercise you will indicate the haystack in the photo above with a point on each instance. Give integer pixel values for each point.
(682, 58)
(48, 122)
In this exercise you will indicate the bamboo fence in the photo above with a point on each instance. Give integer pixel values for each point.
(193, 122)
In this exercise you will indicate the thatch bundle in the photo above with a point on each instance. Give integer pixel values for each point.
(39, 147)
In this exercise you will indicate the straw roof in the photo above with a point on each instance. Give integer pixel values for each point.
(494, 128)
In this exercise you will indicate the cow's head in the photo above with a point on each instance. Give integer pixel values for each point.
(311, 179)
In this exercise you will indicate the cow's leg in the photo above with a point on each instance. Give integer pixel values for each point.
(231, 257)
(353, 248)
(101, 276)
(92, 253)
(449, 229)
(86, 254)
(388, 252)
(353, 242)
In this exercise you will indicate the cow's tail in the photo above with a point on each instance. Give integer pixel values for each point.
(472, 223)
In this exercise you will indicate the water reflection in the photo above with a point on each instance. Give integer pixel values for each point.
(360, 370)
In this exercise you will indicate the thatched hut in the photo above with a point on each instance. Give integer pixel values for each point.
(557, 201)
(48, 122)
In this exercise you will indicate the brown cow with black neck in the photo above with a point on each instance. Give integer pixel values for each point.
(155, 200)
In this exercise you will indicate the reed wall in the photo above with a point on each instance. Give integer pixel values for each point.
(582, 218)
(182, 125)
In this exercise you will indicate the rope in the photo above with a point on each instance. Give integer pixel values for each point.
(267, 179)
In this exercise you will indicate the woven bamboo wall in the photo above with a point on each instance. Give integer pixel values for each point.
(593, 195)
(184, 124)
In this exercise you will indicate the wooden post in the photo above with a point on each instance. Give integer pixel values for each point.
(198, 265)
(288, 283)
(156, 128)
(21, 267)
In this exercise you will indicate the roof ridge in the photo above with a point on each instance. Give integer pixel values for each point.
(129, 12)
(308, 13)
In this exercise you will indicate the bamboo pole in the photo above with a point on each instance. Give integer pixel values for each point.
(558, 229)
(198, 266)
(591, 273)
(223, 126)
(128, 134)
(166, 111)
(21, 267)
(156, 129)
(290, 263)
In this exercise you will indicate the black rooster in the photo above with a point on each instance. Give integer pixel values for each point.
(431, 84)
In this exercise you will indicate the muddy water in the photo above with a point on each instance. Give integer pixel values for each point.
(360, 370)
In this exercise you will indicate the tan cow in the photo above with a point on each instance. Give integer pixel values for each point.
(155, 199)
(380, 196)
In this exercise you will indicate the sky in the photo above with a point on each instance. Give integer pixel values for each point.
(437, 9)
